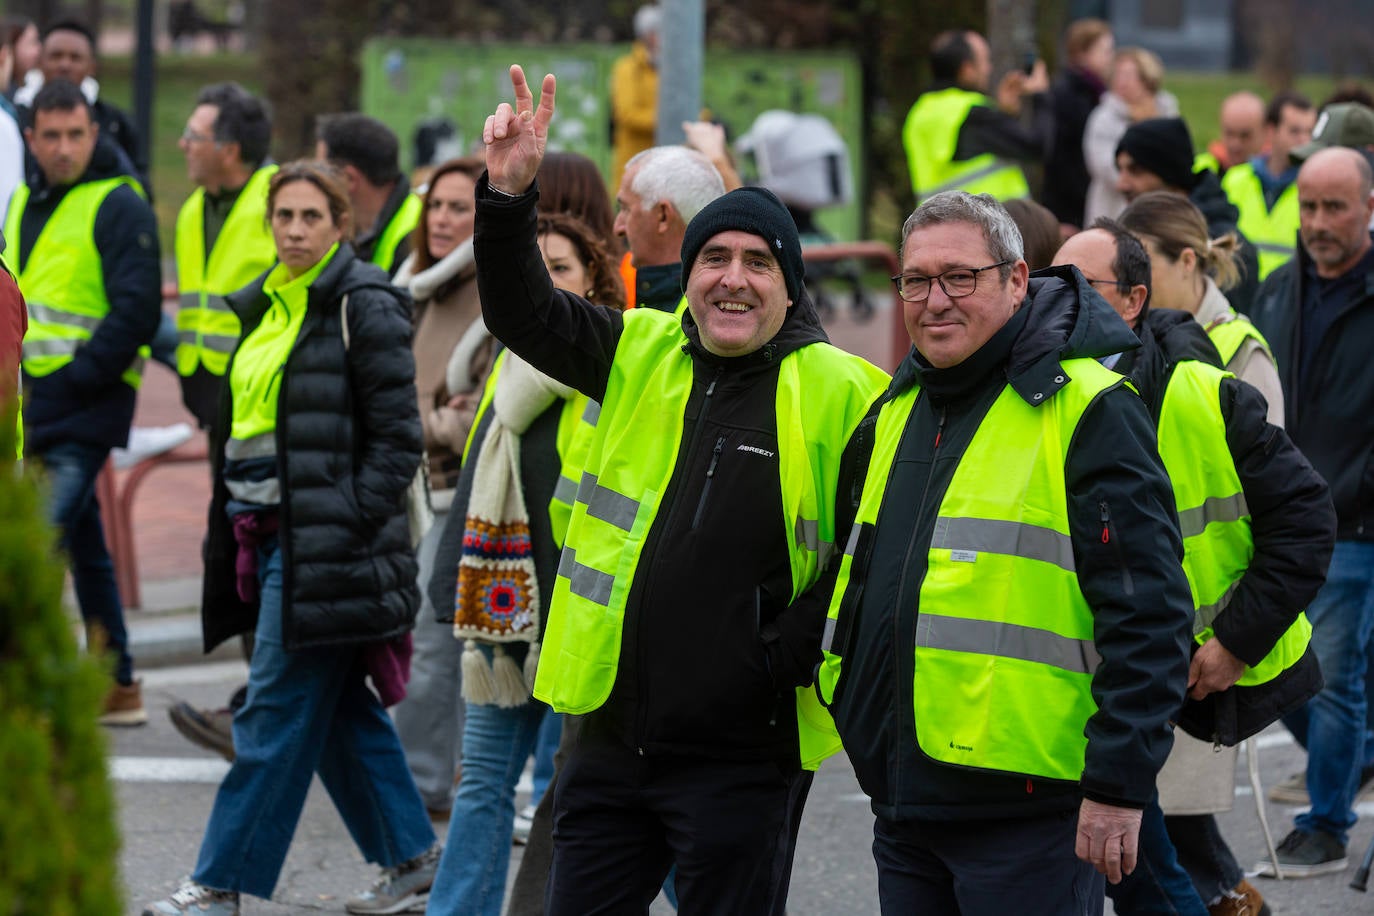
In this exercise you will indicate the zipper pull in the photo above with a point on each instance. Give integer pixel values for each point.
(715, 458)
(1030, 788)
(1106, 517)
(711, 388)
(940, 430)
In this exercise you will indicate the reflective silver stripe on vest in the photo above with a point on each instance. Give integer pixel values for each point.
(49, 315)
(807, 531)
(1007, 640)
(1210, 612)
(220, 343)
(260, 492)
(262, 446)
(852, 544)
(828, 637)
(592, 413)
(1192, 522)
(1014, 539)
(1274, 248)
(606, 504)
(585, 582)
(977, 174)
(188, 301)
(51, 346)
(565, 491)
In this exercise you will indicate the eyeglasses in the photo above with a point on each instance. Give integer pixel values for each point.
(957, 283)
(1121, 286)
(191, 136)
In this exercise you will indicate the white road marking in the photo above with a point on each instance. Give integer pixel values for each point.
(168, 769)
(202, 673)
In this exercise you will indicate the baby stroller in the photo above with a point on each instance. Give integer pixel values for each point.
(802, 159)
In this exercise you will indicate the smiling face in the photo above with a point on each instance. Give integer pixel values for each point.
(948, 331)
(302, 225)
(737, 293)
(450, 213)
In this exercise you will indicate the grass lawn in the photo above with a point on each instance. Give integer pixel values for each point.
(1200, 96)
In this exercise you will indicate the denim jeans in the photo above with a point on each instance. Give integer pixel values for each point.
(430, 718)
(1332, 725)
(1158, 886)
(308, 711)
(497, 741)
(72, 468)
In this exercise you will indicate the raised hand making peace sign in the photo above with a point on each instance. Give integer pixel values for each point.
(515, 138)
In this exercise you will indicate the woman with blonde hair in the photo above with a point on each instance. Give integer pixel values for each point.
(1192, 273)
(1133, 95)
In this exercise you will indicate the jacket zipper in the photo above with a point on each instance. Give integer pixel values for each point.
(898, 702)
(639, 637)
(706, 488)
(1127, 584)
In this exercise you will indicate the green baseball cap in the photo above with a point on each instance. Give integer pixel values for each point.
(1345, 124)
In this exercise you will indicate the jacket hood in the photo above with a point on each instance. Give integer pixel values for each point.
(1167, 337)
(801, 327)
(1216, 207)
(1065, 319)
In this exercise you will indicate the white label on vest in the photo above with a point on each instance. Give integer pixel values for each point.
(964, 556)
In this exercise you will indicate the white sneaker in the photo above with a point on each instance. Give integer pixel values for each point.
(149, 441)
(523, 822)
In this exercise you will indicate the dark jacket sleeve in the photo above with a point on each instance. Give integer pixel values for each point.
(381, 370)
(131, 261)
(560, 334)
(1293, 524)
(991, 130)
(1129, 557)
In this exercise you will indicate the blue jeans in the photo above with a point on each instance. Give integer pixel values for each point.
(308, 711)
(544, 747)
(1332, 725)
(1159, 886)
(497, 741)
(72, 468)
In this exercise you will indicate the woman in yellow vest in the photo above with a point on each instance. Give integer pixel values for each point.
(1191, 272)
(309, 546)
(497, 590)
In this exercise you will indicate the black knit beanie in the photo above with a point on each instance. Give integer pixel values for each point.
(759, 212)
(1162, 146)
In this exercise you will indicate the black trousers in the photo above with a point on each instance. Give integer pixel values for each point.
(984, 868)
(621, 820)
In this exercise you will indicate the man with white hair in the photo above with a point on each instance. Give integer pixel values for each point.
(634, 92)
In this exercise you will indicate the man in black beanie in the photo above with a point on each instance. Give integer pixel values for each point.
(688, 609)
(1157, 155)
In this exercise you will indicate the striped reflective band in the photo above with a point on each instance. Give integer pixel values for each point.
(585, 582)
(1014, 539)
(1274, 247)
(213, 302)
(1006, 640)
(592, 413)
(808, 531)
(49, 315)
(828, 637)
(853, 543)
(51, 346)
(1194, 521)
(565, 491)
(956, 183)
(1208, 613)
(606, 504)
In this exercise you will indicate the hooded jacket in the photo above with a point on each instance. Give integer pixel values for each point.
(1135, 584)
(1292, 522)
(1328, 416)
(711, 649)
(348, 444)
(85, 401)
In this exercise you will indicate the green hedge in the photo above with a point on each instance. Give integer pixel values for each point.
(58, 839)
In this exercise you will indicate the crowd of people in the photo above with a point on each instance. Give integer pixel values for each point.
(487, 453)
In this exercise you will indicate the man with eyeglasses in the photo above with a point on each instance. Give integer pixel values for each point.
(223, 243)
(1258, 529)
(1007, 635)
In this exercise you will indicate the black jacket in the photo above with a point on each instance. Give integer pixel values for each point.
(1330, 416)
(1135, 583)
(348, 445)
(85, 401)
(366, 243)
(711, 651)
(1292, 522)
(989, 129)
(1222, 217)
(1074, 95)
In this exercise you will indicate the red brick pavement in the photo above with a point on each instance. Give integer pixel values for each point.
(169, 510)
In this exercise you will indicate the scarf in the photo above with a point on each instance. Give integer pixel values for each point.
(497, 597)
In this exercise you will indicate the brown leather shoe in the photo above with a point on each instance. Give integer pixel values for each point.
(124, 706)
(212, 729)
(1243, 900)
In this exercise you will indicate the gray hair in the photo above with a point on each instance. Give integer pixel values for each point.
(981, 210)
(675, 174)
(647, 20)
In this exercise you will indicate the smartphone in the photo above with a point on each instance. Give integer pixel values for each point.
(1028, 60)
